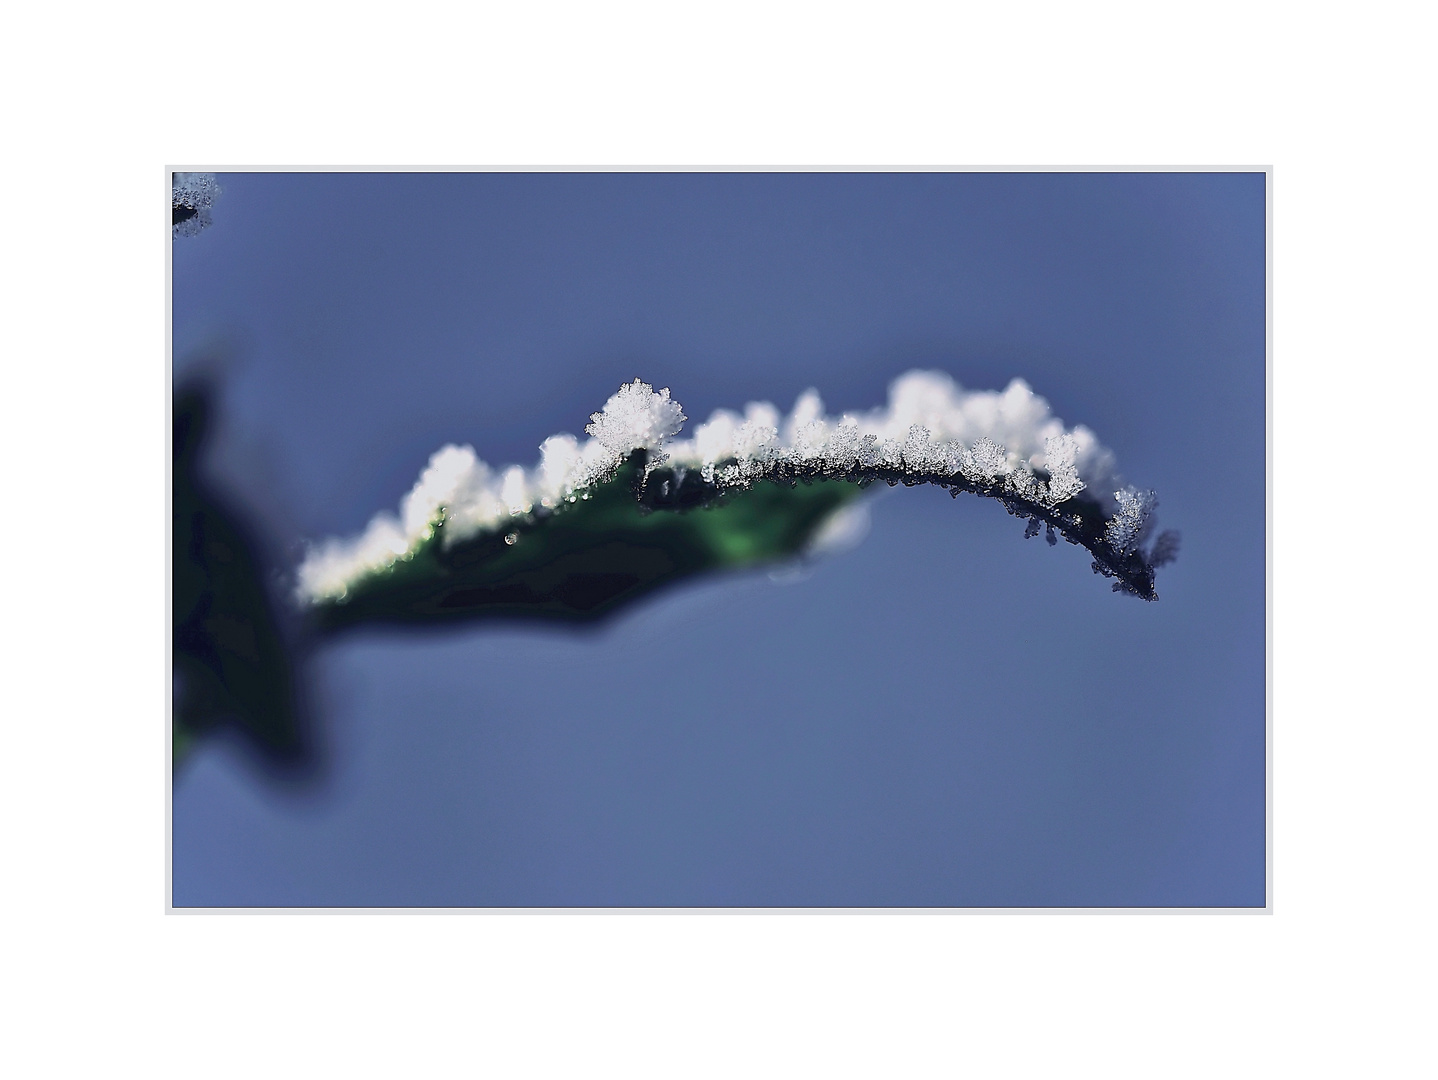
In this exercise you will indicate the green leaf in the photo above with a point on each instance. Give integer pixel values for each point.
(584, 560)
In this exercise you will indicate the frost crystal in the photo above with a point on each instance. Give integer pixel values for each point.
(841, 451)
(637, 418)
(1060, 454)
(987, 461)
(932, 431)
(920, 453)
(1128, 528)
(191, 196)
(1022, 482)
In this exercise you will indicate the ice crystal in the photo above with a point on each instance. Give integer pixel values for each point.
(987, 461)
(1128, 528)
(636, 418)
(843, 447)
(921, 454)
(1060, 454)
(1021, 481)
(191, 196)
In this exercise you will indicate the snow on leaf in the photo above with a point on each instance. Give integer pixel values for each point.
(932, 431)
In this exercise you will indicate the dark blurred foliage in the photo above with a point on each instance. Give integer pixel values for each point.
(234, 666)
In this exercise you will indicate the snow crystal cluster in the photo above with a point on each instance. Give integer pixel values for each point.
(191, 196)
(1128, 528)
(1006, 443)
(930, 428)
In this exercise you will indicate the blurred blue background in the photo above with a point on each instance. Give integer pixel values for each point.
(945, 715)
